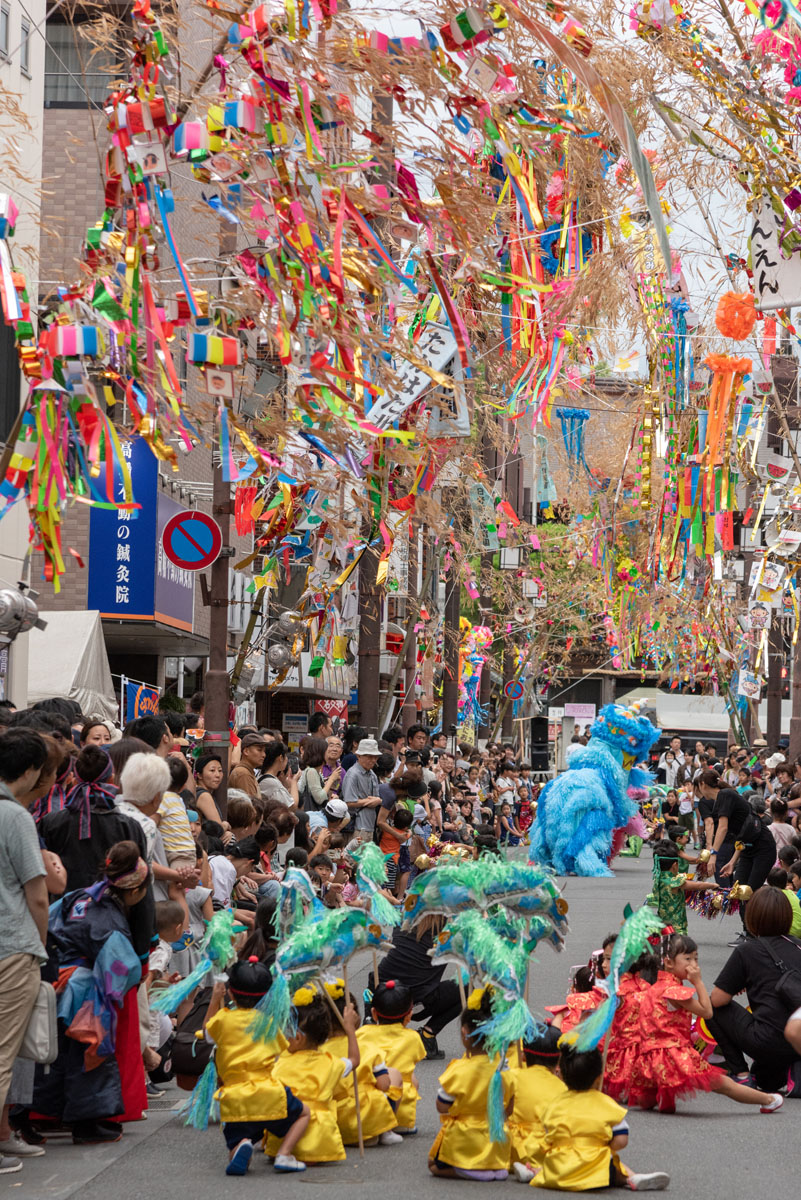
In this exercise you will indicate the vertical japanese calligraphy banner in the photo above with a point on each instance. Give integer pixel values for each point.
(777, 280)
(122, 544)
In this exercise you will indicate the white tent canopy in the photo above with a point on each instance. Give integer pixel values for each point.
(69, 659)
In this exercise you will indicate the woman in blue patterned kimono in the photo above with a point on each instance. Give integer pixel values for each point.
(91, 941)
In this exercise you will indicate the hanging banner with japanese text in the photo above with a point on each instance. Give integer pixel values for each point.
(122, 543)
(130, 578)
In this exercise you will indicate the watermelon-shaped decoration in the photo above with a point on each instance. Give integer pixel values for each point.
(776, 470)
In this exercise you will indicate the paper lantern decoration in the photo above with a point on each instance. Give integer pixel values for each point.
(73, 341)
(221, 351)
(190, 135)
(8, 215)
(735, 315)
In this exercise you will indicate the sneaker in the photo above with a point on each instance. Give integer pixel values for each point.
(775, 1104)
(240, 1159)
(522, 1173)
(431, 1047)
(738, 941)
(153, 1092)
(287, 1163)
(24, 1126)
(390, 1138)
(17, 1147)
(9, 1165)
(656, 1181)
(92, 1133)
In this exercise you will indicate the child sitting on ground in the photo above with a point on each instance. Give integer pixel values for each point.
(534, 1085)
(463, 1148)
(398, 1047)
(314, 1075)
(584, 1130)
(374, 1079)
(251, 1099)
(584, 998)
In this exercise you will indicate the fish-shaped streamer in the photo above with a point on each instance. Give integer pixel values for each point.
(316, 946)
(371, 877)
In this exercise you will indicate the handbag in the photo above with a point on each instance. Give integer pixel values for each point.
(40, 1043)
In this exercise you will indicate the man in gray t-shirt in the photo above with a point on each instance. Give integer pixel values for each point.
(23, 907)
(360, 786)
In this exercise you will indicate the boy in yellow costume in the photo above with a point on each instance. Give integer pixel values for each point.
(314, 1075)
(398, 1046)
(374, 1078)
(584, 1130)
(251, 1099)
(463, 1148)
(535, 1085)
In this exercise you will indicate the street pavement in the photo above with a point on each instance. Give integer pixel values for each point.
(712, 1148)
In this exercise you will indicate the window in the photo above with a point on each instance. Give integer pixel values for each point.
(25, 48)
(10, 377)
(5, 29)
(76, 70)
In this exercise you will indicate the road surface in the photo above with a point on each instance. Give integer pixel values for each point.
(713, 1149)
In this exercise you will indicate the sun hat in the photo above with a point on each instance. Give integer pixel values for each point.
(368, 746)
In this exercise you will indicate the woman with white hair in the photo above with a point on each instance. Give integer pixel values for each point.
(143, 782)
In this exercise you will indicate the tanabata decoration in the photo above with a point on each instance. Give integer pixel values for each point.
(578, 813)
(735, 315)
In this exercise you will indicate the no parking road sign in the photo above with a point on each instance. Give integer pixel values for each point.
(192, 540)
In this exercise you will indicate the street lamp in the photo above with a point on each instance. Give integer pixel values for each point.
(18, 613)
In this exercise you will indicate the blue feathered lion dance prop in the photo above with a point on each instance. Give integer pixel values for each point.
(578, 812)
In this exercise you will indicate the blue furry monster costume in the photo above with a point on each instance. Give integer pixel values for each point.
(578, 812)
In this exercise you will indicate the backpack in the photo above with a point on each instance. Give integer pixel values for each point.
(191, 1054)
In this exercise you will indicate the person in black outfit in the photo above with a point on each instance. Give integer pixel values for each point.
(756, 965)
(437, 1002)
(90, 823)
(736, 825)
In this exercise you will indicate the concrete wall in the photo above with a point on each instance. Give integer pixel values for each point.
(21, 95)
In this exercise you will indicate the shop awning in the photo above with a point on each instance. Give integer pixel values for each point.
(69, 659)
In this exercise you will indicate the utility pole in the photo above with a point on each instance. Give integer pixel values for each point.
(216, 689)
(370, 591)
(409, 707)
(775, 656)
(450, 648)
(509, 673)
(795, 716)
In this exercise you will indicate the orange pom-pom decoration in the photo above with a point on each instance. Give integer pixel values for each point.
(735, 315)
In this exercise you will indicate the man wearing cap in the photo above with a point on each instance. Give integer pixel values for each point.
(243, 775)
(360, 786)
(334, 815)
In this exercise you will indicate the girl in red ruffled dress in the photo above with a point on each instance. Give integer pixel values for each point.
(662, 1064)
(626, 1031)
(584, 998)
